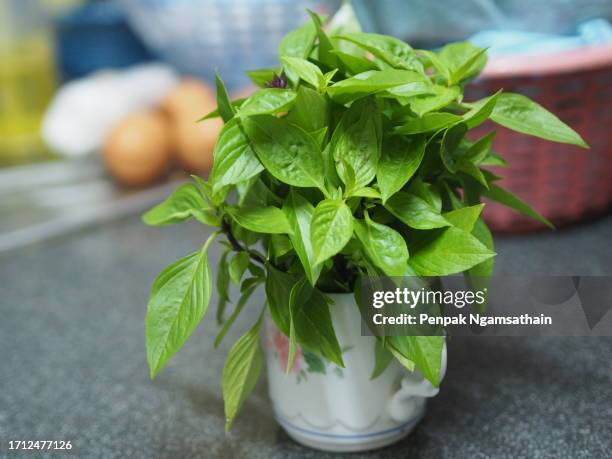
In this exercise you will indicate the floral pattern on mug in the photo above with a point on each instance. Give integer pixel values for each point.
(305, 362)
(279, 343)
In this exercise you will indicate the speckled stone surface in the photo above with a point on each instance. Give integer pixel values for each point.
(73, 364)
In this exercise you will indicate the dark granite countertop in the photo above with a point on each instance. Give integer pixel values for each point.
(73, 364)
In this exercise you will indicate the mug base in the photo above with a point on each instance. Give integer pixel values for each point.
(348, 443)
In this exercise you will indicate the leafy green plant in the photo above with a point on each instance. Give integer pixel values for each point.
(351, 159)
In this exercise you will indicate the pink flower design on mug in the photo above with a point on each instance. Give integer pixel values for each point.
(280, 343)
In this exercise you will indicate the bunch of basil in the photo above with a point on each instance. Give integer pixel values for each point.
(352, 159)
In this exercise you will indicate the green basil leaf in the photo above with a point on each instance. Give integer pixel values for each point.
(278, 289)
(327, 79)
(448, 251)
(269, 220)
(452, 197)
(438, 64)
(366, 192)
(185, 202)
(391, 344)
(300, 294)
(479, 150)
(222, 285)
(427, 192)
(244, 235)
(471, 67)
(215, 199)
(428, 123)
(465, 217)
(262, 77)
(441, 97)
(298, 42)
(242, 301)
(398, 346)
(320, 135)
(415, 211)
(267, 101)
(382, 359)
(252, 281)
(330, 229)
(354, 64)
(346, 171)
(287, 151)
(329, 165)
(310, 111)
(226, 109)
(493, 159)
(473, 171)
(280, 245)
(238, 265)
(255, 193)
(325, 48)
(388, 49)
(514, 202)
(480, 111)
(236, 103)
(478, 276)
(241, 371)
(426, 353)
(256, 271)
(178, 301)
(356, 144)
(313, 325)
(398, 162)
(522, 114)
(490, 176)
(384, 246)
(371, 82)
(449, 151)
(235, 160)
(472, 190)
(463, 59)
(304, 70)
(404, 92)
(299, 213)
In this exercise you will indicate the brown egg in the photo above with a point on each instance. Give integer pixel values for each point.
(138, 149)
(190, 99)
(195, 142)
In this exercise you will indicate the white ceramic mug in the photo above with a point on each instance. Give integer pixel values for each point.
(342, 409)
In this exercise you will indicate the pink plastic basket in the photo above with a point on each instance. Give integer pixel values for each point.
(564, 183)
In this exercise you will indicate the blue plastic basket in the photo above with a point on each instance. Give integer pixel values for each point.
(231, 36)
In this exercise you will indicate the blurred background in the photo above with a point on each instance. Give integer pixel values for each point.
(98, 98)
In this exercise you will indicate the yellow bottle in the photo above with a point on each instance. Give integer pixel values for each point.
(27, 79)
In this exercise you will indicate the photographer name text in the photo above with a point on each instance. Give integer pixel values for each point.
(461, 319)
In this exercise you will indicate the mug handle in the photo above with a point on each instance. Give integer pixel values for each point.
(405, 403)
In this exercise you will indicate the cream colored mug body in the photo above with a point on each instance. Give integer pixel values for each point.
(342, 409)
